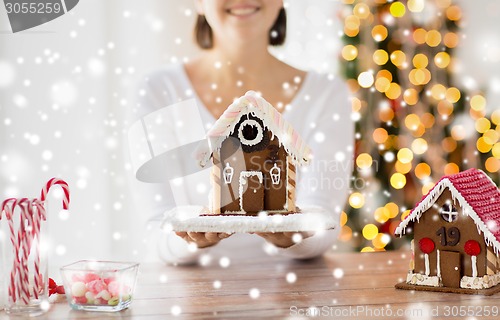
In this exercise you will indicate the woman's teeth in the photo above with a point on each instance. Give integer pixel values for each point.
(242, 11)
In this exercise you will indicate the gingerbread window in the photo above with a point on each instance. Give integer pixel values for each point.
(250, 132)
(448, 212)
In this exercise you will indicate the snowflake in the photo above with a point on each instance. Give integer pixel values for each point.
(163, 278)
(60, 250)
(176, 310)
(217, 284)
(254, 293)
(224, 262)
(338, 273)
(319, 137)
(291, 277)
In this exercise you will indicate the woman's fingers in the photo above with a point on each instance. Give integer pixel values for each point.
(197, 236)
(224, 235)
(303, 234)
(212, 236)
(203, 239)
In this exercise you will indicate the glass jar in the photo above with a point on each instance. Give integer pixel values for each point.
(23, 266)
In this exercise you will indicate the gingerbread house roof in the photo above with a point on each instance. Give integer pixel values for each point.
(478, 197)
(254, 104)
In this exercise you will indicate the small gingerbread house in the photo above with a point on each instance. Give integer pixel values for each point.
(456, 229)
(254, 152)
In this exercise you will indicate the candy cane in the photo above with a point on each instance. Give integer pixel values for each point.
(37, 217)
(16, 243)
(42, 214)
(19, 277)
(9, 210)
(29, 217)
(64, 186)
(23, 239)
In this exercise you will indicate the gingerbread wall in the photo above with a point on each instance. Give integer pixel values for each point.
(275, 196)
(431, 223)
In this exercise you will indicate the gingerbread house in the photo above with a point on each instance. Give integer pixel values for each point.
(254, 153)
(456, 229)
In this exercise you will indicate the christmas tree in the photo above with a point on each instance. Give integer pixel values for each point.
(414, 124)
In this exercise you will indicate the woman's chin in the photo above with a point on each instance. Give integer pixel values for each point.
(245, 36)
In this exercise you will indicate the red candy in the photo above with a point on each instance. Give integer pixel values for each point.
(108, 280)
(96, 286)
(426, 245)
(472, 248)
(54, 288)
(89, 277)
(97, 290)
(60, 290)
(80, 300)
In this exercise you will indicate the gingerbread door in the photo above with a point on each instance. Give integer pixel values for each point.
(251, 191)
(451, 272)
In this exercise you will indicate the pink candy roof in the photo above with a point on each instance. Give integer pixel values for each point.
(478, 196)
(252, 103)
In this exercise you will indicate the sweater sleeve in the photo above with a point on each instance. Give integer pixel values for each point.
(325, 182)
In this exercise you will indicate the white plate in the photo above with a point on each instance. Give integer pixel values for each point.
(188, 219)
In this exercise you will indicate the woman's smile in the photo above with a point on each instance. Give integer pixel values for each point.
(242, 10)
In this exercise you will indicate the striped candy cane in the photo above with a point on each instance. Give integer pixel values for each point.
(42, 215)
(28, 235)
(64, 186)
(23, 238)
(16, 288)
(37, 217)
(8, 206)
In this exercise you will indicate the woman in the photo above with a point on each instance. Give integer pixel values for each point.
(235, 36)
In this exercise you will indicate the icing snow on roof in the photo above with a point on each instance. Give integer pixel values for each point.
(478, 196)
(252, 103)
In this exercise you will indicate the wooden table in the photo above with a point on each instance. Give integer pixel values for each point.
(338, 285)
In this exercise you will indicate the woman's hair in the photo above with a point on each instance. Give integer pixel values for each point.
(204, 34)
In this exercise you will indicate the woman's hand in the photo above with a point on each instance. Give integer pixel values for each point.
(284, 239)
(203, 239)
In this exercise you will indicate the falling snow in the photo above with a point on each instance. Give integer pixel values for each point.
(175, 310)
(254, 293)
(291, 277)
(217, 284)
(338, 273)
(224, 262)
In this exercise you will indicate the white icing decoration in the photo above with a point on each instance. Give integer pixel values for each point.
(422, 279)
(287, 171)
(427, 268)
(234, 212)
(228, 173)
(450, 214)
(244, 175)
(473, 260)
(484, 282)
(258, 138)
(275, 174)
(438, 263)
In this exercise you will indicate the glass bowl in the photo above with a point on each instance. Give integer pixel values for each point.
(99, 285)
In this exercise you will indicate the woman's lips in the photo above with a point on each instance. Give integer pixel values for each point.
(242, 11)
